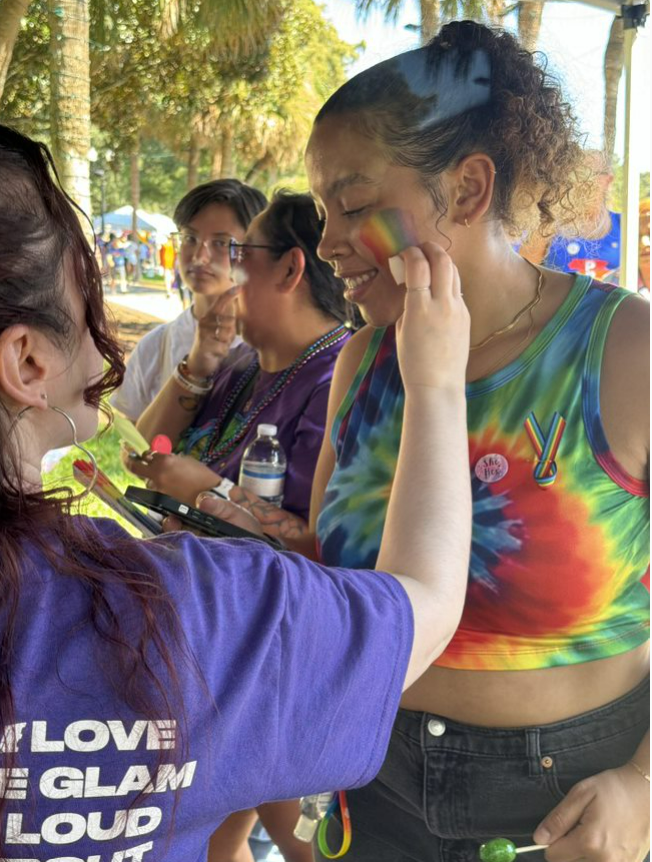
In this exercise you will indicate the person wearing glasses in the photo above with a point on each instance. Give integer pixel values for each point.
(291, 309)
(208, 218)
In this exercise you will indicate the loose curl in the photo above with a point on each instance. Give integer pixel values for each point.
(525, 125)
(40, 231)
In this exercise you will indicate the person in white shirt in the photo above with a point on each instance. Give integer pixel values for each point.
(208, 217)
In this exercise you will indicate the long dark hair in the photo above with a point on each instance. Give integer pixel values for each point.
(39, 229)
(473, 88)
(291, 221)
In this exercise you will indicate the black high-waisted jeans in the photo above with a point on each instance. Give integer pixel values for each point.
(446, 787)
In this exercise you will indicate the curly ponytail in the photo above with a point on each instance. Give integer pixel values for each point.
(473, 88)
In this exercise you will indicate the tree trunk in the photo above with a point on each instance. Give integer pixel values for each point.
(216, 163)
(258, 167)
(11, 14)
(70, 114)
(227, 151)
(530, 13)
(134, 172)
(614, 60)
(194, 158)
(430, 19)
(134, 175)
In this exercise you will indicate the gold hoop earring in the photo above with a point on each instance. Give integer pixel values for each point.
(466, 222)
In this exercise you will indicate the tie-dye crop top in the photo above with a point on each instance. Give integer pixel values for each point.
(560, 530)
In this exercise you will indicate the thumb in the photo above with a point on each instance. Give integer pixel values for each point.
(213, 505)
(564, 816)
(225, 299)
(222, 302)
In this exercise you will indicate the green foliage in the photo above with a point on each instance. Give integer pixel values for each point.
(106, 448)
(163, 72)
(25, 102)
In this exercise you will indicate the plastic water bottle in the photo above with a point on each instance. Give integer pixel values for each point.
(313, 810)
(263, 466)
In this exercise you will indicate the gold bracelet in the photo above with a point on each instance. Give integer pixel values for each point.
(639, 770)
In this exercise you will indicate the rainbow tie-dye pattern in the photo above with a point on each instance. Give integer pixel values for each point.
(555, 574)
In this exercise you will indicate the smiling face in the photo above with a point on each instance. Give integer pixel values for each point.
(350, 179)
(204, 249)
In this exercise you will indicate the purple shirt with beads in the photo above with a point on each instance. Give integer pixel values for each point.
(290, 676)
(298, 411)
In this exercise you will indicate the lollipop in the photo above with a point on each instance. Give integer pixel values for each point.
(504, 850)
(161, 443)
(388, 232)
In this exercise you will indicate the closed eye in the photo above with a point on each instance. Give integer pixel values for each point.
(351, 213)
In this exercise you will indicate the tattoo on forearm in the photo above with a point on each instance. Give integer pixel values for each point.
(189, 403)
(277, 522)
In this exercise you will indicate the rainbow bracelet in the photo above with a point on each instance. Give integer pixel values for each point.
(338, 800)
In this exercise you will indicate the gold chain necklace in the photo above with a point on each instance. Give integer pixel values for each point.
(529, 307)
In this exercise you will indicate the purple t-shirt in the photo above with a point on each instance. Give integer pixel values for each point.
(291, 681)
(299, 413)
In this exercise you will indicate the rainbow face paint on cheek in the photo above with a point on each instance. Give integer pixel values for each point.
(388, 232)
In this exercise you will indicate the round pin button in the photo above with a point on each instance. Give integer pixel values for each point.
(491, 468)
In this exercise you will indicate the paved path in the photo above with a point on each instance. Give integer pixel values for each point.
(149, 300)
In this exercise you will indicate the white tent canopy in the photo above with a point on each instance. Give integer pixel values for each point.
(122, 219)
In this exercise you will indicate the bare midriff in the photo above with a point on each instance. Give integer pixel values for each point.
(526, 697)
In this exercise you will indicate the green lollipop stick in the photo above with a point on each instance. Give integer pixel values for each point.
(504, 850)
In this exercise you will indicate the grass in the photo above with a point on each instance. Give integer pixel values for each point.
(106, 448)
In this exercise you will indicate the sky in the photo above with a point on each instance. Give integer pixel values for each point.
(573, 35)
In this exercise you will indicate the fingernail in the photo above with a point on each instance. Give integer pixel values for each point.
(542, 835)
(397, 268)
(205, 495)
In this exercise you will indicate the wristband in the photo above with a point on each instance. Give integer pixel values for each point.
(223, 489)
(193, 378)
(188, 385)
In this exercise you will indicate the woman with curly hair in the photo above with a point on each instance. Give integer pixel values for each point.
(533, 719)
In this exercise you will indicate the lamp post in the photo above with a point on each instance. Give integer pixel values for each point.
(96, 158)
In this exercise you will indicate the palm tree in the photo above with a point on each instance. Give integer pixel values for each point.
(614, 60)
(434, 13)
(70, 101)
(530, 13)
(12, 13)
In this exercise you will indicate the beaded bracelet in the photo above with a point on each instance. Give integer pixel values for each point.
(639, 770)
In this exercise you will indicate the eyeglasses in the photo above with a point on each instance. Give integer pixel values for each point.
(237, 250)
(191, 242)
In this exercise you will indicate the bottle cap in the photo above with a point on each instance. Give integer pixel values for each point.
(267, 430)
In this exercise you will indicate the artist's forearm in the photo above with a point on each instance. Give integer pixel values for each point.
(290, 529)
(170, 413)
(427, 532)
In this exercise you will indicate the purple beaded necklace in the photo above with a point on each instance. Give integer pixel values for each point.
(217, 446)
